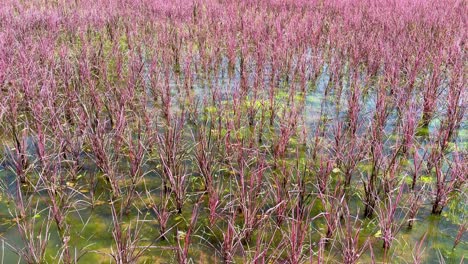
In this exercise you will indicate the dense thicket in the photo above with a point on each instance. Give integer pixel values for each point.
(232, 131)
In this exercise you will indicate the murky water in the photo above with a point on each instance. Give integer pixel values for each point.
(91, 221)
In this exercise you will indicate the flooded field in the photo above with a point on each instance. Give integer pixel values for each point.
(233, 132)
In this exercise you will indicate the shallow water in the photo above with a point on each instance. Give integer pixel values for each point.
(91, 226)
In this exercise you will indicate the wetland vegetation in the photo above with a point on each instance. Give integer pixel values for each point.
(212, 131)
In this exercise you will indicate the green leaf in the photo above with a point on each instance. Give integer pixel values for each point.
(211, 109)
(378, 234)
(336, 170)
(427, 179)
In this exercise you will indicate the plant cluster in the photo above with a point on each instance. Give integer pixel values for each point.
(232, 131)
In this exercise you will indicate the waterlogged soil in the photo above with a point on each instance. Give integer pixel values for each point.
(91, 228)
(91, 220)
